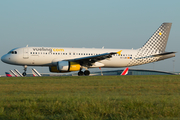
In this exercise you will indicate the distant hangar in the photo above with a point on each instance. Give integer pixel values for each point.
(134, 72)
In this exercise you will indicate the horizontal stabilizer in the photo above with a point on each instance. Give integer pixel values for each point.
(162, 54)
(170, 54)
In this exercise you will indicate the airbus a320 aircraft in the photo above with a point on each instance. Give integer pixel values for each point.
(75, 59)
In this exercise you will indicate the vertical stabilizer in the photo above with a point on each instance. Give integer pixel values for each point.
(18, 73)
(13, 73)
(157, 42)
(8, 74)
(35, 72)
(155, 45)
(125, 72)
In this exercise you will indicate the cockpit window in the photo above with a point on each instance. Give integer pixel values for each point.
(12, 52)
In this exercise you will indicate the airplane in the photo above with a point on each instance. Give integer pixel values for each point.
(13, 73)
(18, 74)
(61, 60)
(8, 74)
(35, 73)
(125, 71)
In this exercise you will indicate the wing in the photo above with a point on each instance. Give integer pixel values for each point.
(89, 60)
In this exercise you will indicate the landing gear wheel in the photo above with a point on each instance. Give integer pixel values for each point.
(80, 73)
(86, 72)
(24, 73)
(25, 69)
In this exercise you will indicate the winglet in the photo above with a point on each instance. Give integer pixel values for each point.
(119, 52)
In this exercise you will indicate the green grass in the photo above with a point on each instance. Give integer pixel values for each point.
(90, 97)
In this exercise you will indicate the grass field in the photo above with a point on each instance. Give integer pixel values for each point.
(90, 97)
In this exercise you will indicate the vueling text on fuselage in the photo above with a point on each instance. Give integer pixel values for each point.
(49, 49)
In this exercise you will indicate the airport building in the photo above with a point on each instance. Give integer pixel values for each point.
(134, 72)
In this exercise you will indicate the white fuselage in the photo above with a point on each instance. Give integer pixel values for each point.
(49, 56)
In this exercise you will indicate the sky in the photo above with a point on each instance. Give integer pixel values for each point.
(122, 24)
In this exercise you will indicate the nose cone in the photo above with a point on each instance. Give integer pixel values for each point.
(5, 58)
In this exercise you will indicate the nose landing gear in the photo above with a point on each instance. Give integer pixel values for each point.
(25, 69)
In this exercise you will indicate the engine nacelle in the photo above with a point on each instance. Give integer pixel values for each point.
(65, 66)
(54, 69)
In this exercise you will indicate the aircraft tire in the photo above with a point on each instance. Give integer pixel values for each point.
(80, 73)
(24, 73)
(86, 72)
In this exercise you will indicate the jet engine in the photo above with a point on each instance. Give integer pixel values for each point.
(65, 66)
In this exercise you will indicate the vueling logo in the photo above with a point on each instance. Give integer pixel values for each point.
(48, 49)
(57, 50)
(43, 49)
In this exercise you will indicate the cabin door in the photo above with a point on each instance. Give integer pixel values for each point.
(25, 53)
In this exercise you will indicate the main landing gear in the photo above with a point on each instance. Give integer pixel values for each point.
(25, 69)
(86, 73)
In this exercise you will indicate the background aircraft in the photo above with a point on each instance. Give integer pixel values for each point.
(8, 74)
(125, 72)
